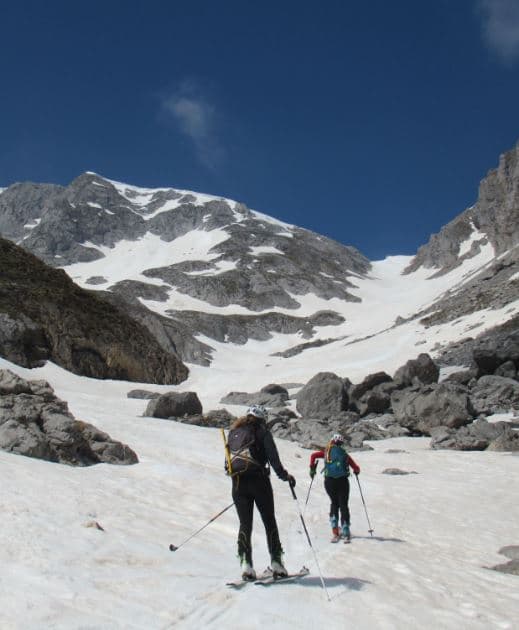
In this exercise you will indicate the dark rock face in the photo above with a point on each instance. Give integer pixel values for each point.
(35, 423)
(44, 315)
(174, 405)
(324, 395)
(420, 410)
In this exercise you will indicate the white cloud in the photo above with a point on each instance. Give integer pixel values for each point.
(500, 22)
(195, 117)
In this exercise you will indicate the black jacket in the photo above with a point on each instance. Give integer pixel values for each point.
(265, 452)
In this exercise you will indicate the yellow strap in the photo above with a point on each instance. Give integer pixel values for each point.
(227, 453)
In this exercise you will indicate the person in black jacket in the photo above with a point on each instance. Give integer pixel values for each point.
(250, 451)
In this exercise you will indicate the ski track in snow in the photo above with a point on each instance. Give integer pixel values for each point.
(435, 532)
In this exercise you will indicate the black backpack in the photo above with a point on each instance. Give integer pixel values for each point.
(239, 442)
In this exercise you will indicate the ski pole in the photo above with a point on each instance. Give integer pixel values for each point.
(173, 547)
(310, 542)
(370, 530)
(308, 495)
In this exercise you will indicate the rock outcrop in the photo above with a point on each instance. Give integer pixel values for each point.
(35, 423)
(45, 316)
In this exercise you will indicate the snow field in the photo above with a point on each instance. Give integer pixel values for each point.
(435, 531)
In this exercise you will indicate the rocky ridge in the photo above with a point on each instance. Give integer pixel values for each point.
(45, 316)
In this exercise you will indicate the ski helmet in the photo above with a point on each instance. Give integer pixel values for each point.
(337, 438)
(258, 411)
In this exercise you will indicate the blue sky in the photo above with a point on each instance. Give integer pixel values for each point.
(371, 122)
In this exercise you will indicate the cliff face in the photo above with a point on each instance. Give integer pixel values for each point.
(494, 220)
(44, 315)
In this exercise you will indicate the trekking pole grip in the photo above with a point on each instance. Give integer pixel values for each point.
(293, 492)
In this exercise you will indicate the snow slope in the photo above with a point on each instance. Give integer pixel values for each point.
(435, 532)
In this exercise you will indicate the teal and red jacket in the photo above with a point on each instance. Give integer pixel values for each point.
(349, 461)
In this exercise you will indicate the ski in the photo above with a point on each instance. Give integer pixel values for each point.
(240, 583)
(291, 577)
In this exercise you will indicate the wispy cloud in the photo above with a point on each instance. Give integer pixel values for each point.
(193, 114)
(500, 23)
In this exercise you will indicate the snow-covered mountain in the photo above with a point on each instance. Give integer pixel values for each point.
(222, 285)
(246, 301)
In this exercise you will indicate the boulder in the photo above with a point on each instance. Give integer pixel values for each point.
(373, 401)
(274, 389)
(11, 383)
(421, 409)
(174, 405)
(495, 394)
(508, 441)
(496, 350)
(398, 471)
(477, 436)
(142, 394)
(35, 423)
(324, 395)
(216, 418)
(356, 392)
(419, 370)
(507, 370)
(463, 377)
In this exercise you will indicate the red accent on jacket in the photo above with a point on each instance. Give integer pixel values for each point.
(351, 462)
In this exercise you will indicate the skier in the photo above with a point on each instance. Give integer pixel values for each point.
(250, 449)
(336, 484)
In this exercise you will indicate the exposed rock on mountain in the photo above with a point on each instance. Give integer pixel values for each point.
(242, 259)
(44, 315)
(493, 219)
(34, 422)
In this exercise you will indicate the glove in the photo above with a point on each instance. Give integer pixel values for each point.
(356, 472)
(291, 481)
(313, 470)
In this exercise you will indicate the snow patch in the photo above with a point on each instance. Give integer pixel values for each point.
(265, 249)
(476, 235)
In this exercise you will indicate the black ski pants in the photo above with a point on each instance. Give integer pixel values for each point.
(339, 492)
(248, 490)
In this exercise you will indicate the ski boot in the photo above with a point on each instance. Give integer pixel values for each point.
(248, 573)
(336, 536)
(345, 532)
(278, 568)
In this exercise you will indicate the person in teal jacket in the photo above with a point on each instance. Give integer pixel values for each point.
(337, 465)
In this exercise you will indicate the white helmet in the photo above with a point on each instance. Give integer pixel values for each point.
(337, 438)
(258, 411)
